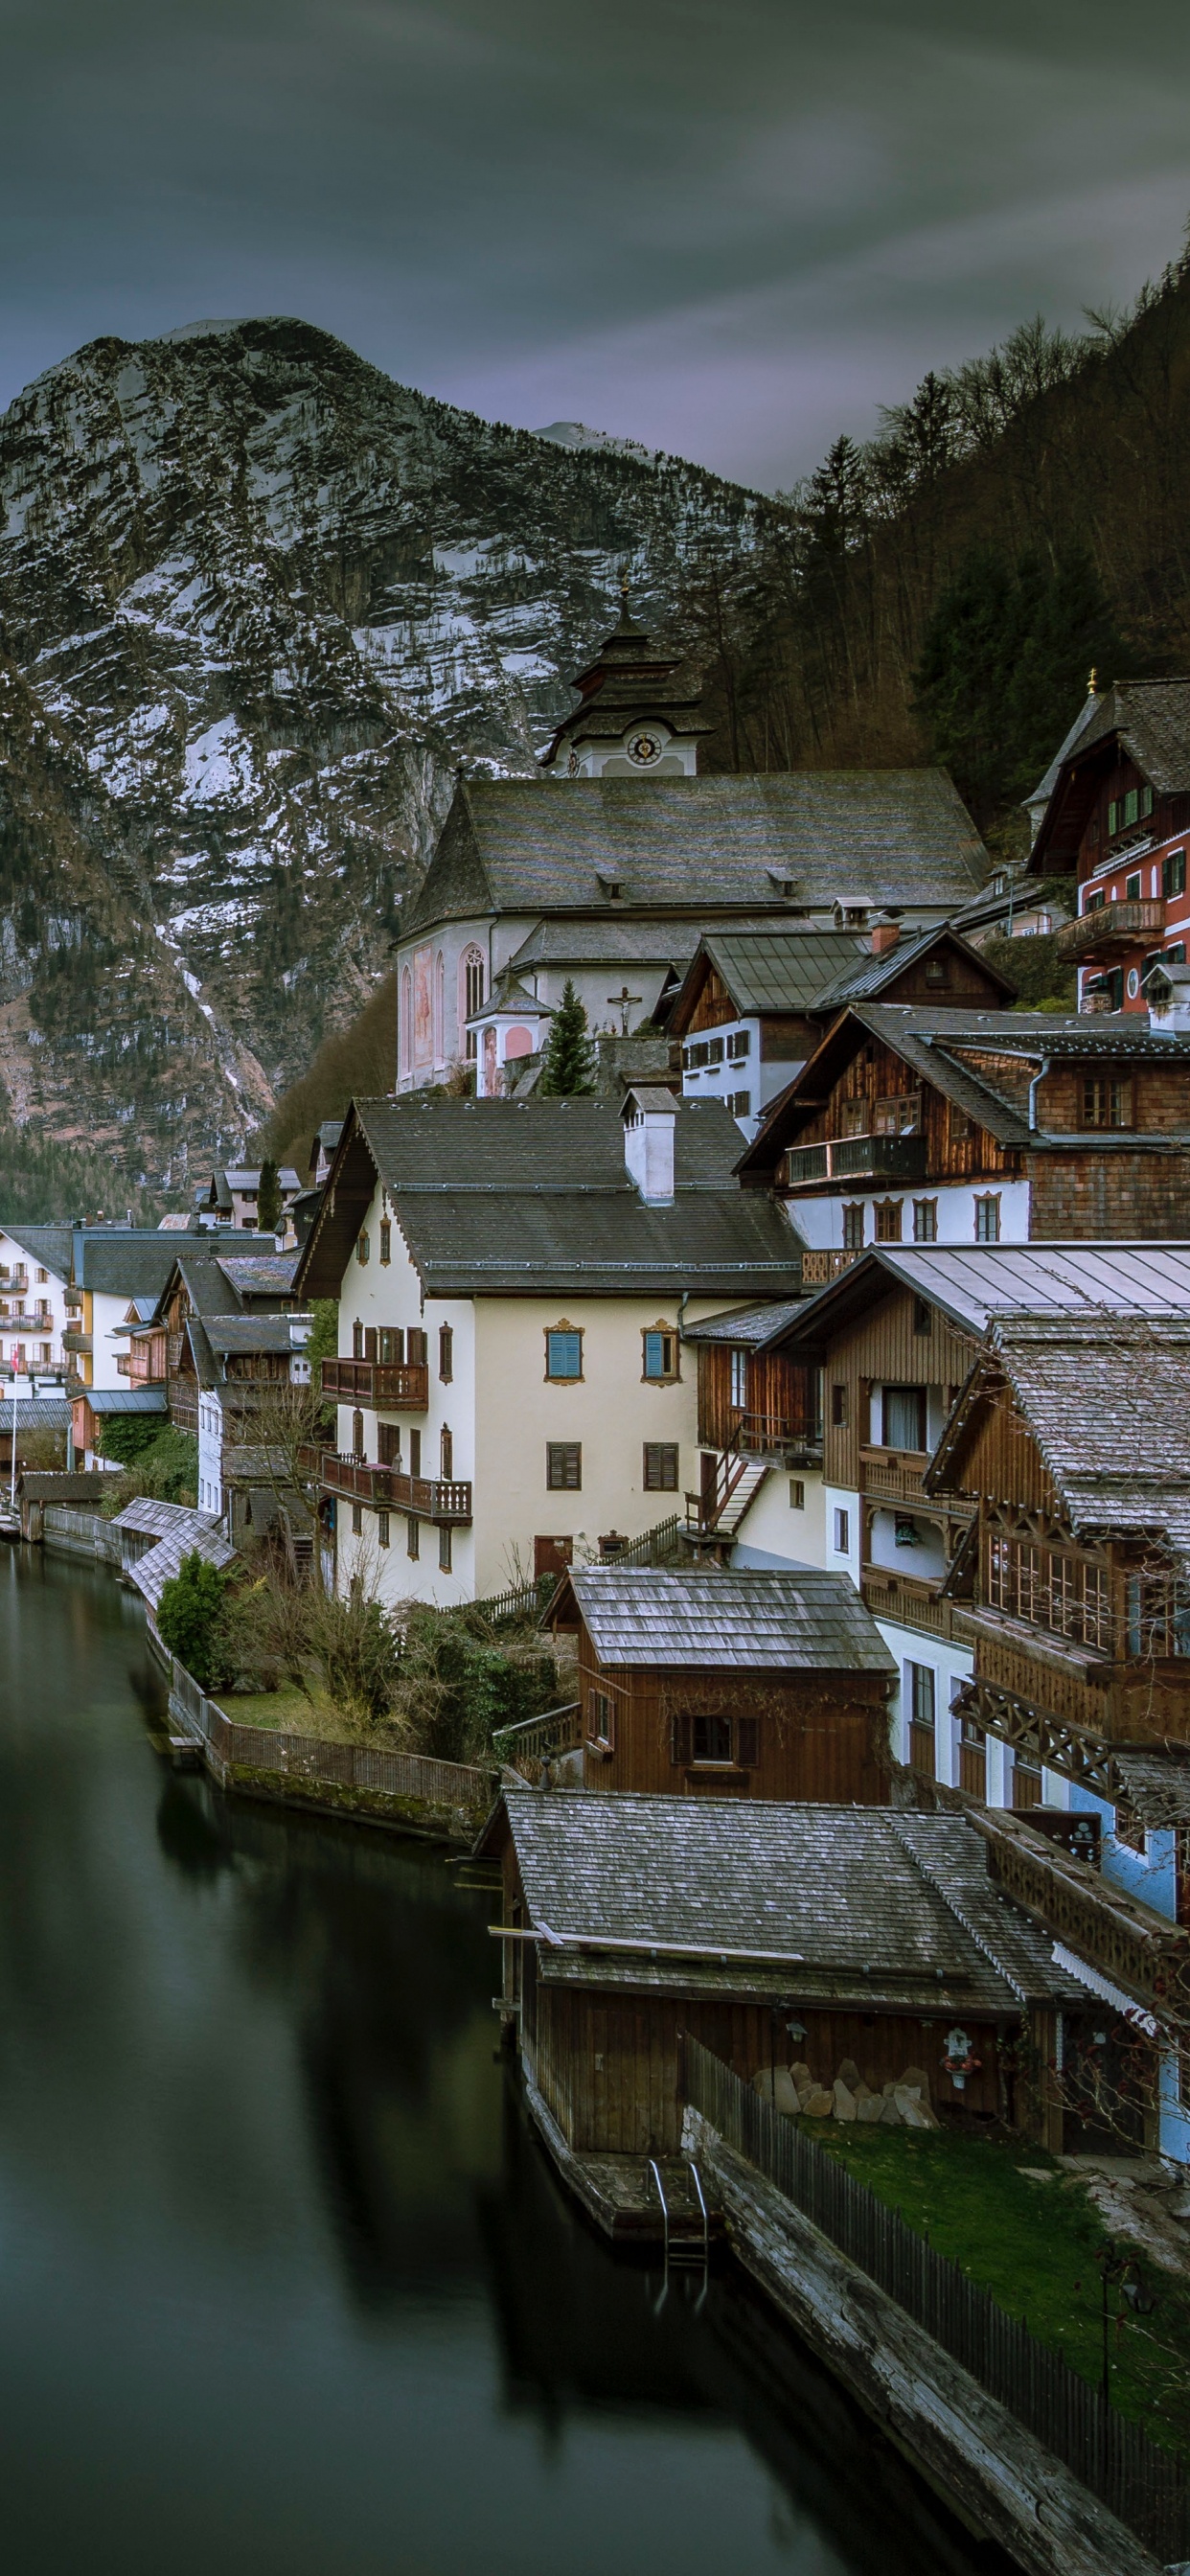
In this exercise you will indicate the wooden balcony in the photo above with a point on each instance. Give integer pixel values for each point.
(894, 1476)
(71, 1340)
(848, 1162)
(914, 1601)
(428, 1498)
(1112, 930)
(819, 1268)
(387, 1384)
(1070, 1687)
(779, 1438)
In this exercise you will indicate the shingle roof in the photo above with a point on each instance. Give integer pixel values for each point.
(124, 1266)
(1102, 1393)
(45, 1486)
(748, 1327)
(745, 1620)
(1152, 718)
(702, 846)
(186, 1533)
(533, 1196)
(975, 1283)
(263, 1274)
(48, 1245)
(234, 1333)
(864, 981)
(899, 1908)
(612, 942)
(35, 1412)
(1157, 1784)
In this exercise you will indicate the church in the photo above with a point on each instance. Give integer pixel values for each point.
(609, 868)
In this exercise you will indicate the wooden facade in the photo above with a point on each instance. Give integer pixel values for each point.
(811, 1736)
(760, 1401)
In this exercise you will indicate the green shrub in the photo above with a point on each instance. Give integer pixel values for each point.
(190, 1618)
(165, 1467)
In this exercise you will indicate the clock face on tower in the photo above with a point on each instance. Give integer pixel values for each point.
(644, 748)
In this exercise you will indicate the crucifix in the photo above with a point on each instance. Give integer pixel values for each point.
(622, 1002)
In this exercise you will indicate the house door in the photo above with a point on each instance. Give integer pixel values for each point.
(551, 1555)
(709, 1484)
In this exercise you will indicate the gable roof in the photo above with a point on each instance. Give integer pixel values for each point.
(827, 1902)
(232, 1334)
(972, 1284)
(262, 1274)
(124, 1265)
(184, 1534)
(1149, 721)
(873, 975)
(742, 1620)
(47, 1245)
(702, 846)
(1099, 1390)
(531, 1197)
(779, 967)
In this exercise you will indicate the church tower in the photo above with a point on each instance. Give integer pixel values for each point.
(637, 716)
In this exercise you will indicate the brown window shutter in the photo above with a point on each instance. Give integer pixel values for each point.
(417, 1346)
(746, 1752)
(679, 1742)
(370, 1342)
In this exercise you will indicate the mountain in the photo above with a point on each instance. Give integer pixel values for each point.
(257, 604)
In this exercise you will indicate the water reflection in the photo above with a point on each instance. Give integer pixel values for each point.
(285, 2281)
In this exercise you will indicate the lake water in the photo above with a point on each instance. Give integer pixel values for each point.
(286, 2287)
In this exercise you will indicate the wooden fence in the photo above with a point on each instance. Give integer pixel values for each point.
(81, 1533)
(1145, 2487)
(409, 1788)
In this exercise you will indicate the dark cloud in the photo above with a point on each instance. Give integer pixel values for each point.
(727, 227)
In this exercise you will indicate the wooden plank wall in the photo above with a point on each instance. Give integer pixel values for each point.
(776, 1386)
(820, 1737)
(885, 1350)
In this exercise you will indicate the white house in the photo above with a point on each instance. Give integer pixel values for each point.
(34, 1278)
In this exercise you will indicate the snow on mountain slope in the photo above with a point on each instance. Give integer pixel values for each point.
(257, 603)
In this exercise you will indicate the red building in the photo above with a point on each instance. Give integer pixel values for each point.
(1118, 818)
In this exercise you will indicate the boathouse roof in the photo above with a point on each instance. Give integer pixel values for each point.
(746, 1619)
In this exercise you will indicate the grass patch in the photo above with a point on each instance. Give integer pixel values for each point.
(288, 1711)
(1033, 2245)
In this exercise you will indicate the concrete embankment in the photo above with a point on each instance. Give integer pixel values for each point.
(1006, 2485)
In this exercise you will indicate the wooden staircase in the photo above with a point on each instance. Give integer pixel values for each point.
(713, 1517)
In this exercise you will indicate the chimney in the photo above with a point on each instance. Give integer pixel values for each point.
(885, 935)
(649, 1117)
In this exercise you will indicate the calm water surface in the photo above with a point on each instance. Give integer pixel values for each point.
(284, 2284)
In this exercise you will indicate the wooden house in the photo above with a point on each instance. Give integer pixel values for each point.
(709, 1683)
(911, 1124)
(1115, 819)
(802, 1939)
(754, 1004)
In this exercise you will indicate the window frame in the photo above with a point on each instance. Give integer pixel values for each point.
(855, 1215)
(655, 1455)
(1173, 875)
(555, 1332)
(363, 1248)
(562, 1482)
(842, 1530)
(987, 1231)
(925, 1220)
(386, 1242)
(663, 1332)
(446, 1354)
(1110, 1093)
(888, 1220)
(445, 1548)
(382, 1528)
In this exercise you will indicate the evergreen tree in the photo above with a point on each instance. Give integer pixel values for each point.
(268, 1199)
(1004, 664)
(567, 1066)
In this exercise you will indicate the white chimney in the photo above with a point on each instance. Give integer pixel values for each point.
(649, 1117)
(1166, 989)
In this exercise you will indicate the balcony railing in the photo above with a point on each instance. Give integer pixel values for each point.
(912, 1600)
(74, 1341)
(894, 1476)
(819, 1268)
(1111, 927)
(397, 1384)
(852, 1159)
(777, 1437)
(429, 1498)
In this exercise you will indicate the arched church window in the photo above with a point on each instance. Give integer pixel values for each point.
(439, 1009)
(471, 990)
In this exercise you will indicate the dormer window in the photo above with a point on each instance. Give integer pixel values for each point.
(784, 886)
(612, 887)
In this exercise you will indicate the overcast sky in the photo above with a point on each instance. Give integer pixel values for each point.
(726, 227)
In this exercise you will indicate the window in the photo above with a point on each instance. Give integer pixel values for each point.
(382, 1529)
(1173, 874)
(920, 1678)
(446, 1353)
(415, 1449)
(710, 1737)
(601, 1719)
(388, 1444)
(854, 1118)
(739, 1103)
(898, 1114)
(417, 1347)
(923, 1315)
(405, 1038)
(472, 979)
(659, 1354)
(391, 1345)
(840, 1410)
(357, 1341)
(903, 1417)
(386, 1243)
(357, 1435)
(739, 1044)
(446, 1455)
(445, 1548)
(853, 1227)
(1146, 803)
(937, 971)
(661, 1466)
(987, 1219)
(739, 1378)
(1050, 1588)
(1132, 888)
(1026, 1782)
(714, 1050)
(42, 1277)
(925, 1221)
(973, 1758)
(563, 1466)
(960, 1127)
(1106, 1103)
(797, 1494)
(412, 1537)
(888, 1220)
(563, 1354)
(842, 1533)
(357, 1519)
(363, 1251)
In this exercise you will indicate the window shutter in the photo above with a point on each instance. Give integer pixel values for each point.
(679, 1739)
(746, 1732)
(417, 1346)
(370, 1342)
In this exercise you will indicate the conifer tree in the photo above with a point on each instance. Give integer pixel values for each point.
(567, 1066)
(268, 1199)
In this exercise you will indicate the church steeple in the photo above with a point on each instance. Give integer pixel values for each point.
(638, 711)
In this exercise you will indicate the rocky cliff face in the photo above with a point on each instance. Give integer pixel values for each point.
(257, 602)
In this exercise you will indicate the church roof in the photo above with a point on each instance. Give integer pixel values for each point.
(631, 676)
(702, 847)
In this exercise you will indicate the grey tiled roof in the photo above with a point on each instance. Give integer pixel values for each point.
(262, 1274)
(869, 978)
(745, 1620)
(1157, 1784)
(48, 1245)
(748, 1327)
(534, 1196)
(44, 1485)
(615, 942)
(861, 1901)
(35, 1413)
(186, 1533)
(1153, 721)
(239, 1333)
(124, 1265)
(1106, 1395)
(702, 846)
(974, 1283)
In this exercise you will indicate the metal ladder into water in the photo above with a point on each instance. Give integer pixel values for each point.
(684, 2251)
